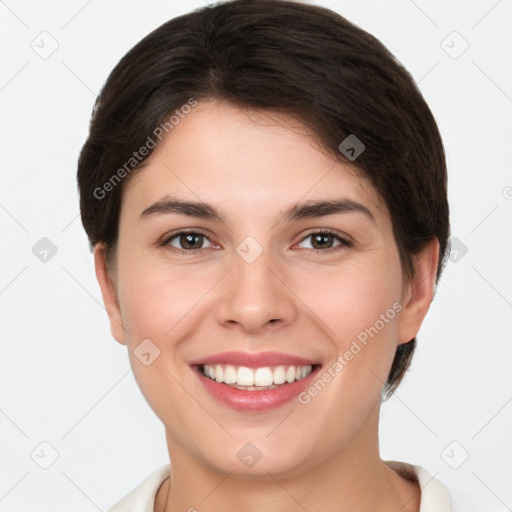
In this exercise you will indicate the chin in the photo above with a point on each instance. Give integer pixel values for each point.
(258, 458)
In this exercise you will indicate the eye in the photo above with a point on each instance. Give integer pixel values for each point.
(188, 241)
(323, 241)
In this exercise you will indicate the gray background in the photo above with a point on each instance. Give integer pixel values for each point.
(66, 383)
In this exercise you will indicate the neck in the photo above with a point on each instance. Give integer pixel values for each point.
(354, 478)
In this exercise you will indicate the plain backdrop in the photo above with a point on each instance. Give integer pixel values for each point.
(68, 399)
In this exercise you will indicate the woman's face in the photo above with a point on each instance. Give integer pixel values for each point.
(289, 267)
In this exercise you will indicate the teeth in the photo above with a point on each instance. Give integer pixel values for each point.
(280, 375)
(229, 374)
(219, 373)
(263, 377)
(242, 377)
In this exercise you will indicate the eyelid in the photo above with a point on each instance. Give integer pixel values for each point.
(343, 238)
(164, 241)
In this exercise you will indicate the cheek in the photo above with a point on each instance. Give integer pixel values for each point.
(353, 297)
(155, 299)
(361, 307)
(165, 306)
(158, 306)
(359, 304)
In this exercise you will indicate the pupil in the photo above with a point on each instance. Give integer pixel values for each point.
(191, 241)
(322, 240)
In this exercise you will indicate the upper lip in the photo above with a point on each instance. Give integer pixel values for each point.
(254, 359)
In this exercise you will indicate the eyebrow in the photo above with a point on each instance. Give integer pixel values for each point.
(312, 209)
(305, 210)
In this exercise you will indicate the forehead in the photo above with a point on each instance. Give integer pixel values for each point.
(244, 160)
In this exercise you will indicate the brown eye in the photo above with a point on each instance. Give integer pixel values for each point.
(322, 241)
(191, 241)
(188, 241)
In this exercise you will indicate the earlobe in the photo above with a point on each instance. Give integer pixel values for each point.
(108, 293)
(419, 292)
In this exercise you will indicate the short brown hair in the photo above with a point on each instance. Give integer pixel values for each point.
(281, 56)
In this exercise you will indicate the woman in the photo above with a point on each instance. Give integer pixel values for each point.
(264, 188)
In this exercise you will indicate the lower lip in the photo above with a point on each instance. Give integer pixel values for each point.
(263, 400)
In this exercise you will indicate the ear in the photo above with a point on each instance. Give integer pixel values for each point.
(419, 292)
(109, 294)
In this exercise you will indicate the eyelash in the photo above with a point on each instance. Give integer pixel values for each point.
(344, 243)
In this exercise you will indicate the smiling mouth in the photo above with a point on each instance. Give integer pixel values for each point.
(255, 379)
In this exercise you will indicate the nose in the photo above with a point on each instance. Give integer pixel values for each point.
(256, 296)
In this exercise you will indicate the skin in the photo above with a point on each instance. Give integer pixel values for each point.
(320, 456)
